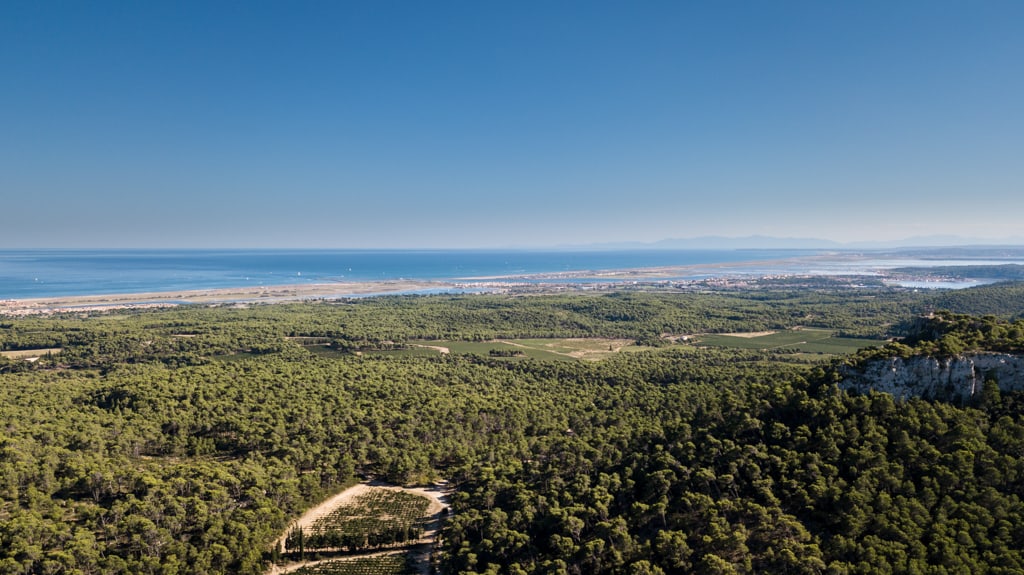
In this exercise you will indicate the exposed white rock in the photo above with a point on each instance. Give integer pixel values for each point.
(957, 378)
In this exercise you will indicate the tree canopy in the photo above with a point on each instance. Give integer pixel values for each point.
(183, 440)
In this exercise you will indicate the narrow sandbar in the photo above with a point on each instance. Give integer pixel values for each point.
(282, 293)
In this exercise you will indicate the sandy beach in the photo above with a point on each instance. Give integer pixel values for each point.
(264, 294)
(814, 265)
(330, 290)
(298, 292)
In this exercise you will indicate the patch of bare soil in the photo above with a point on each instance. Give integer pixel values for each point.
(750, 334)
(440, 348)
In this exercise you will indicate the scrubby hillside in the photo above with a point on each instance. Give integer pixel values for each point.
(946, 356)
(789, 475)
(1001, 299)
(183, 441)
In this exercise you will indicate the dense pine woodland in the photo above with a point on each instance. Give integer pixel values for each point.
(185, 440)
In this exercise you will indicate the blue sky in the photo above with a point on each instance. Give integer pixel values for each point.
(494, 124)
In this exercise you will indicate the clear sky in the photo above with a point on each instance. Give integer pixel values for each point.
(488, 124)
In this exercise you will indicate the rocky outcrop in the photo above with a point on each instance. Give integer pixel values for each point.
(957, 379)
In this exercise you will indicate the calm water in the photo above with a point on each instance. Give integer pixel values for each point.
(49, 273)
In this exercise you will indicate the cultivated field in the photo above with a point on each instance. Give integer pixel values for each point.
(804, 340)
(30, 353)
(363, 520)
(376, 518)
(797, 340)
(553, 348)
(395, 564)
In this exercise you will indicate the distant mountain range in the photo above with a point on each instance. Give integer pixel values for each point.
(776, 243)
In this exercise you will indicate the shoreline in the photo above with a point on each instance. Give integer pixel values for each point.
(818, 265)
(331, 290)
(239, 295)
(295, 292)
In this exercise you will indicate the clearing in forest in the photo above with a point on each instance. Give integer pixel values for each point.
(360, 522)
(576, 348)
(537, 348)
(807, 340)
(389, 564)
(750, 334)
(30, 354)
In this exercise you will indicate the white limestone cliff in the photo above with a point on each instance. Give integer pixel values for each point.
(957, 378)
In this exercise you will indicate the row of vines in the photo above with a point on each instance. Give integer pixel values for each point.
(381, 565)
(377, 519)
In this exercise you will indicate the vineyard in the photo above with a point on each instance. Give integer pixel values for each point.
(381, 565)
(376, 519)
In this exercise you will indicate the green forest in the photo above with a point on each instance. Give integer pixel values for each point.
(184, 440)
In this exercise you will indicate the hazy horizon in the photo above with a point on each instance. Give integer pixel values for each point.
(706, 243)
(527, 125)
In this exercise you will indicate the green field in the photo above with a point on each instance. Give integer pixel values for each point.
(322, 350)
(800, 340)
(484, 348)
(813, 341)
(233, 357)
(379, 517)
(381, 565)
(562, 349)
(24, 353)
(407, 352)
(821, 341)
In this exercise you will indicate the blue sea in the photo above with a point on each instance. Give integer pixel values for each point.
(52, 273)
